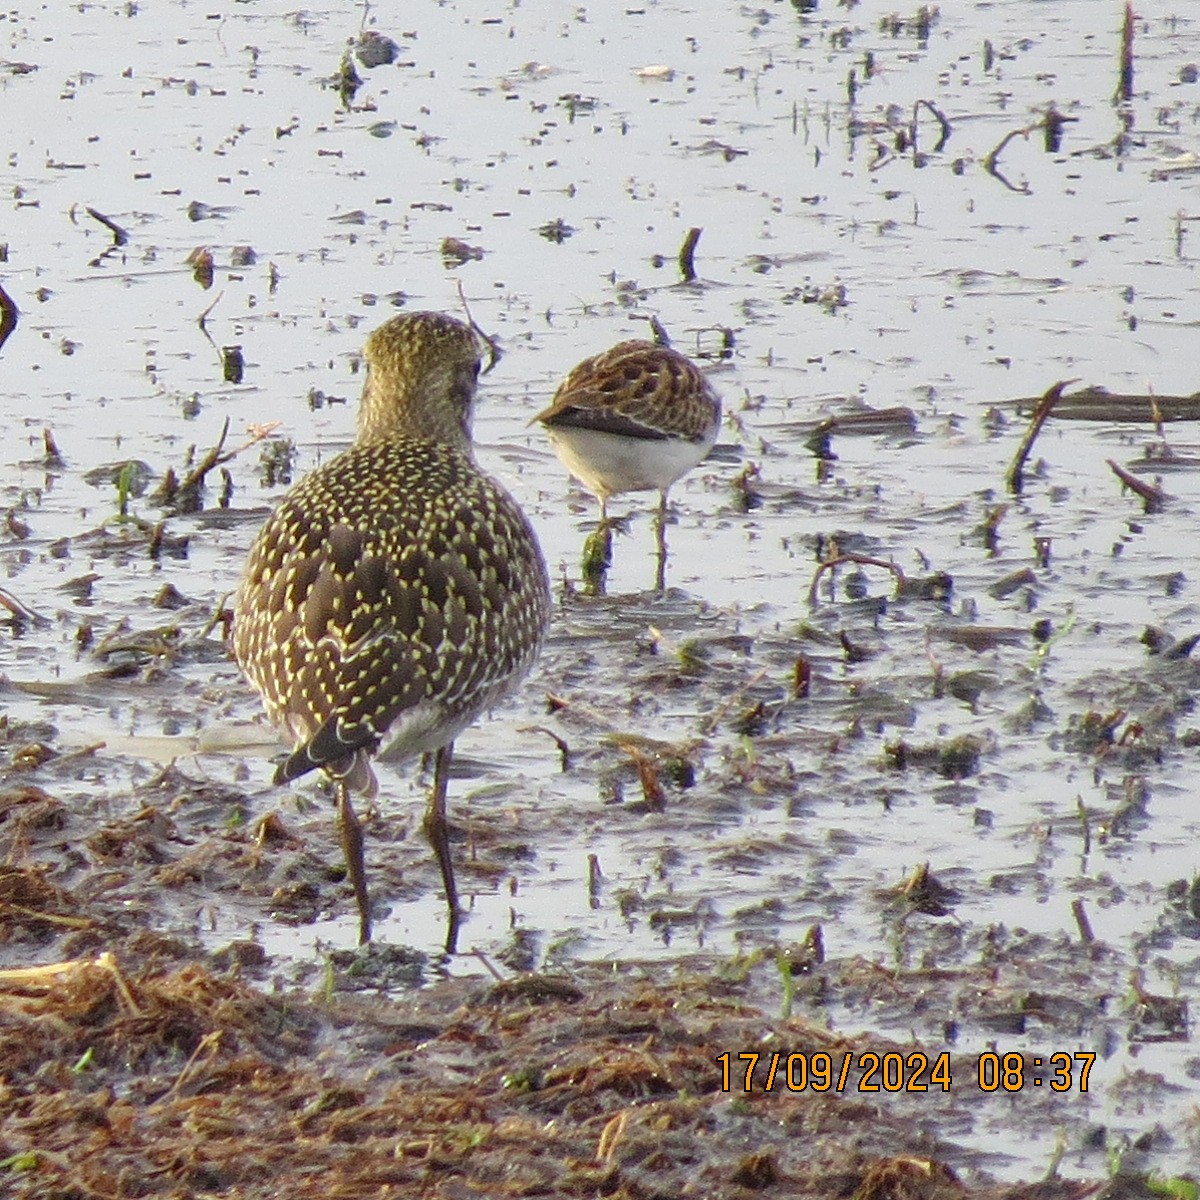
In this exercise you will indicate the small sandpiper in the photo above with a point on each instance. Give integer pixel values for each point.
(397, 592)
(633, 419)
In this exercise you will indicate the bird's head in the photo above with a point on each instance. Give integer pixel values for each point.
(422, 370)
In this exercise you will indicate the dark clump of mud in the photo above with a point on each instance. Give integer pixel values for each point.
(133, 1074)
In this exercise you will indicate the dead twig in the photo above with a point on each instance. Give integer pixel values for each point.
(203, 317)
(21, 611)
(1124, 92)
(1157, 415)
(120, 237)
(862, 560)
(46, 976)
(989, 163)
(189, 489)
(53, 455)
(108, 961)
(687, 255)
(941, 120)
(652, 788)
(733, 698)
(1052, 128)
(60, 919)
(81, 752)
(801, 678)
(208, 1046)
(610, 1135)
(185, 497)
(1152, 497)
(580, 713)
(564, 750)
(221, 615)
(661, 336)
(494, 351)
(1014, 479)
(488, 965)
(1081, 921)
(595, 878)
(1099, 404)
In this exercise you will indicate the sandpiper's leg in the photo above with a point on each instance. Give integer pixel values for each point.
(438, 832)
(604, 530)
(351, 837)
(597, 552)
(660, 579)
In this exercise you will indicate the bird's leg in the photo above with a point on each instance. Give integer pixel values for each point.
(660, 579)
(609, 525)
(597, 552)
(438, 832)
(351, 837)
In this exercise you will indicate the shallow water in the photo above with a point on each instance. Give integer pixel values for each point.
(945, 289)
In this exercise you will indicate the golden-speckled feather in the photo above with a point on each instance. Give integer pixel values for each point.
(397, 591)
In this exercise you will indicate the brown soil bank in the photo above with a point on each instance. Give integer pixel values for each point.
(143, 1074)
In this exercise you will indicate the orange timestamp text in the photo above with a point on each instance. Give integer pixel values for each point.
(866, 1071)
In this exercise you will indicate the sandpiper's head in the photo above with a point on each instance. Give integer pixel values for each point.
(422, 368)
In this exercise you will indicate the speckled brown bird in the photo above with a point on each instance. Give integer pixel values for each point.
(398, 591)
(635, 418)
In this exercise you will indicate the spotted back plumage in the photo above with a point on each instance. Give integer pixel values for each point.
(398, 590)
(637, 389)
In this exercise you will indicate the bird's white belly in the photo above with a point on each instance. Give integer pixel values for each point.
(607, 464)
